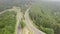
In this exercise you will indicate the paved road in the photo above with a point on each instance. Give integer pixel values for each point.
(2, 12)
(30, 26)
(18, 22)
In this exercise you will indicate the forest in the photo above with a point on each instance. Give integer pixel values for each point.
(45, 15)
(8, 22)
(45, 19)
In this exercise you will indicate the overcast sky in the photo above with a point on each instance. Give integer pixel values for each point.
(51, 0)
